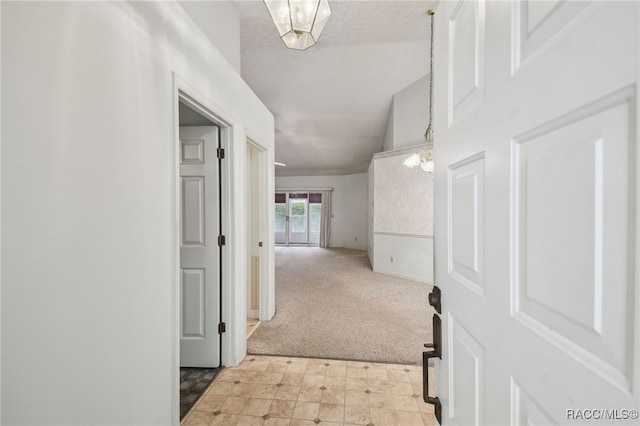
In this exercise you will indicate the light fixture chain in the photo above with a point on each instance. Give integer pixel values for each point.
(428, 136)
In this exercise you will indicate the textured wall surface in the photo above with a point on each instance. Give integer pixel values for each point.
(403, 198)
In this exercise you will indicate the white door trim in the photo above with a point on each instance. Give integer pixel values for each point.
(232, 349)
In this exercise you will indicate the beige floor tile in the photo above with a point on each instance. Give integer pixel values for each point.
(306, 410)
(357, 364)
(250, 421)
(289, 393)
(230, 375)
(210, 403)
(333, 396)
(398, 376)
(424, 407)
(257, 407)
(381, 400)
(251, 376)
(382, 417)
(310, 394)
(428, 419)
(276, 421)
(417, 388)
(377, 365)
(313, 380)
(277, 367)
(264, 391)
(356, 398)
(405, 403)
(356, 372)
(300, 422)
(331, 413)
(337, 362)
(377, 374)
(409, 418)
(401, 388)
(234, 405)
(297, 367)
(356, 415)
(259, 365)
(415, 376)
(225, 420)
(317, 369)
(337, 370)
(357, 384)
(379, 386)
(244, 390)
(335, 382)
(281, 408)
(294, 379)
(220, 388)
(197, 418)
(271, 378)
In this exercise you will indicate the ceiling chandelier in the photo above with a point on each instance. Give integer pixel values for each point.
(299, 22)
(423, 157)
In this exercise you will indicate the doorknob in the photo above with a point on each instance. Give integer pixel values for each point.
(434, 299)
(426, 355)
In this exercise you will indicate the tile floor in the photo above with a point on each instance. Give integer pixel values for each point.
(269, 391)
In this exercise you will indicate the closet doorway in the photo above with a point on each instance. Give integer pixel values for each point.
(299, 218)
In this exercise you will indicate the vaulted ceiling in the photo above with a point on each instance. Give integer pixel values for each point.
(331, 102)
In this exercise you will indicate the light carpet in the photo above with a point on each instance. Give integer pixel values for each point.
(329, 304)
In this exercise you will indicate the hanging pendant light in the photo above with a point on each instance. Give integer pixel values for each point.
(299, 22)
(424, 158)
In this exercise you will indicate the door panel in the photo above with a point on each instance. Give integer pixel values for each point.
(536, 198)
(199, 251)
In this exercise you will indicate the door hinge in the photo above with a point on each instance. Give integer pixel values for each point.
(221, 240)
(220, 153)
(222, 327)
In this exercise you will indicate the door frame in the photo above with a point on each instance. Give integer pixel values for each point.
(184, 93)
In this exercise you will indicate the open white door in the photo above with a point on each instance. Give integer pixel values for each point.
(199, 250)
(536, 210)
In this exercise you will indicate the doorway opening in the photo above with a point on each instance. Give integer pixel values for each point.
(201, 138)
(255, 213)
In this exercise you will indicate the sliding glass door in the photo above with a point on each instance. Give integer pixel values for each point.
(298, 218)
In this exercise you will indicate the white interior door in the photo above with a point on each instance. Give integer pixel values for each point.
(199, 250)
(536, 201)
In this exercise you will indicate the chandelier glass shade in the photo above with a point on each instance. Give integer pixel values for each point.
(299, 22)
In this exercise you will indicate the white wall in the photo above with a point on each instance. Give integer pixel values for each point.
(400, 198)
(89, 218)
(408, 116)
(220, 22)
(406, 256)
(402, 204)
(348, 202)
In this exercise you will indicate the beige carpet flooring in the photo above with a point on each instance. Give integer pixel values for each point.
(329, 304)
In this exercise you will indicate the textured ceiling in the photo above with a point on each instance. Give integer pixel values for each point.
(331, 102)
